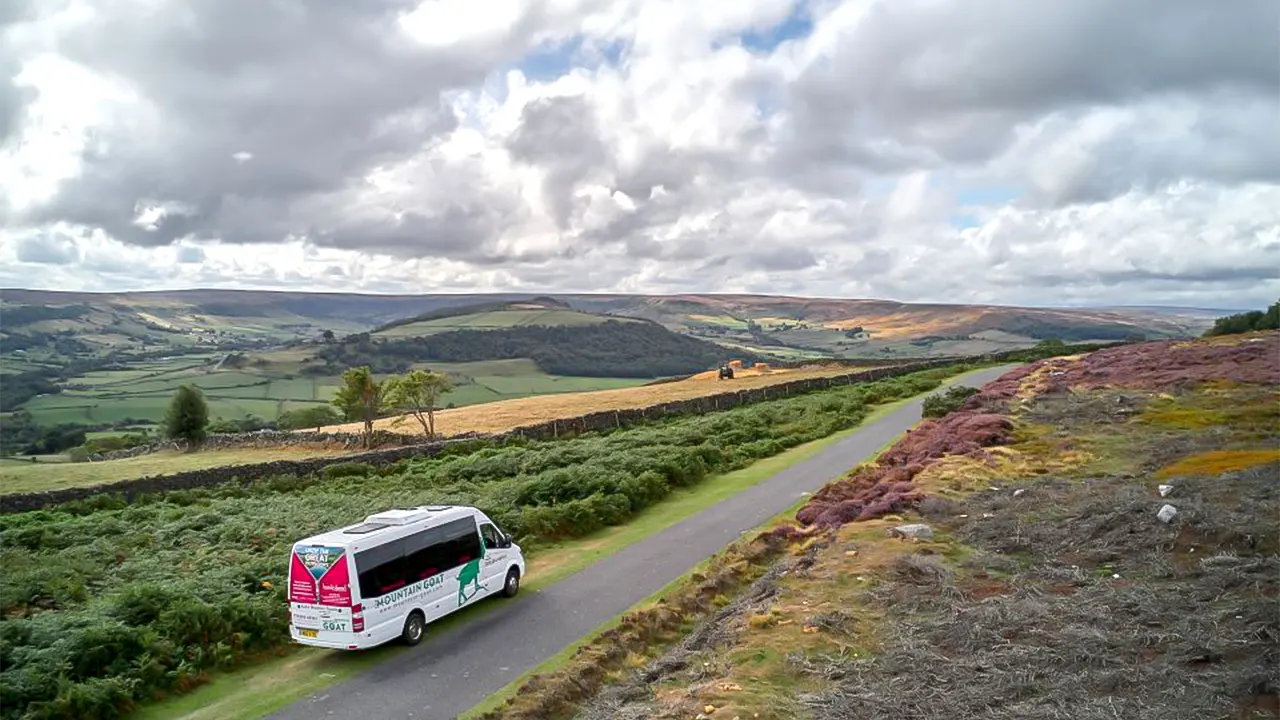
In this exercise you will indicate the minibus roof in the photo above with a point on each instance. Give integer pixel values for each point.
(386, 523)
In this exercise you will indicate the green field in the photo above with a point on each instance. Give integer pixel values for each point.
(787, 354)
(10, 365)
(142, 391)
(495, 320)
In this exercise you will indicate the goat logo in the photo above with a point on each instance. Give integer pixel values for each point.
(470, 575)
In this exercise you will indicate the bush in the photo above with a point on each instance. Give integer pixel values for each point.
(1251, 321)
(948, 401)
(187, 416)
(346, 470)
(308, 417)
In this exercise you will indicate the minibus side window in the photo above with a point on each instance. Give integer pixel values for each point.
(463, 543)
(381, 569)
(424, 555)
(492, 539)
(416, 557)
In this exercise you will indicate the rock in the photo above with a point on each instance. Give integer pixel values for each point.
(1019, 492)
(1165, 490)
(1167, 513)
(916, 531)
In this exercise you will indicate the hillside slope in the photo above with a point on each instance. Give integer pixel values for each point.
(605, 348)
(1088, 537)
(90, 323)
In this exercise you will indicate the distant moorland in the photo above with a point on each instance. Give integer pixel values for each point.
(109, 363)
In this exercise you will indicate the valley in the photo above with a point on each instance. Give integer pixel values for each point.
(111, 361)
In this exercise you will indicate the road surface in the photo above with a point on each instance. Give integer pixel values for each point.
(452, 671)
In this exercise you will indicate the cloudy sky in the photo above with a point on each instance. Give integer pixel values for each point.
(1056, 152)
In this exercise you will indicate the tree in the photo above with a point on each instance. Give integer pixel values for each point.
(361, 398)
(188, 416)
(1251, 321)
(327, 335)
(316, 416)
(416, 394)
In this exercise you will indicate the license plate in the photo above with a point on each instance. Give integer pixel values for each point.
(308, 633)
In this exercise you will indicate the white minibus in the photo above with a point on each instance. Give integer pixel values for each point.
(387, 577)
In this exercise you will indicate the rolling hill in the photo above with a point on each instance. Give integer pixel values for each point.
(491, 351)
(539, 311)
(558, 339)
(111, 358)
(51, 325)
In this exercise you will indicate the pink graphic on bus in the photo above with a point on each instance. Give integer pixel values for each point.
(309, 564)
(302, 589)
(335, 585)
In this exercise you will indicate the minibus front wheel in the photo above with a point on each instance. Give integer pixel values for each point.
(415, 626)
(512, 585)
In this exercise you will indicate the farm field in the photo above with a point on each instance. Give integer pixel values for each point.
(142, 391)
(1044, 583)
(496, 319)
(193, 580)
(509, 414)
(489, 417)
(20, 476)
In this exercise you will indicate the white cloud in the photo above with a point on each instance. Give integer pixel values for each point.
(916, 149)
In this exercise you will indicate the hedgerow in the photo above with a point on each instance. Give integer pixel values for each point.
(106, 604)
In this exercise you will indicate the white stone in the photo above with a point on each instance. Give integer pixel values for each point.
(919, 531)
(1167, 513)
(1165, 490)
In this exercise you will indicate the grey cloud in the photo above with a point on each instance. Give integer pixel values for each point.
(318, 92)
(776, 259)
(780, 258)
(13, 99)
(559, 133)
(48, 249)
(1232, 275)
(1231, 139)
(1243, 285)
(874, 262)
(923, 83)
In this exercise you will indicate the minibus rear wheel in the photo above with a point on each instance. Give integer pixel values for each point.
(415, 627)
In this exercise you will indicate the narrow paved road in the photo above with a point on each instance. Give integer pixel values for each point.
(452, 671)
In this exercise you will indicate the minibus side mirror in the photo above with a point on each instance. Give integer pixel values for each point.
(505, 542)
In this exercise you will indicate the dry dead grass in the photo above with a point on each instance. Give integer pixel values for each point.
(509, 414)
(1036, 383)
(907, 324)
(1216, 462)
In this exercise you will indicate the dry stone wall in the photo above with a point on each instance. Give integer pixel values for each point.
(552, 430)
(269, 439)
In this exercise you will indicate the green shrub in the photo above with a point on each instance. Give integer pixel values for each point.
(141, 604)
(948, 401)
(347, 469)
